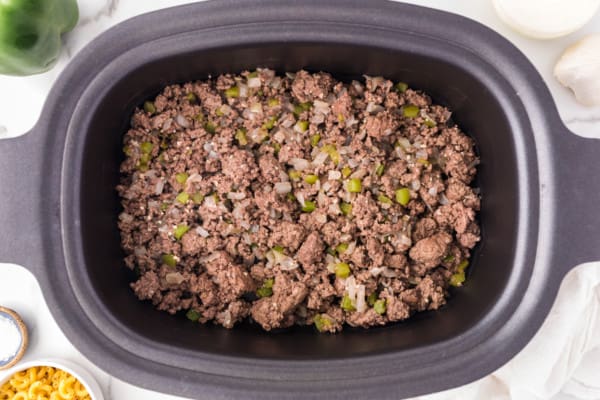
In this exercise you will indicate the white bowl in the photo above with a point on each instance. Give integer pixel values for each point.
(78, 372)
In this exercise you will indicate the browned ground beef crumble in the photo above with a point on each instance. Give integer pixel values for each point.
(296, 200)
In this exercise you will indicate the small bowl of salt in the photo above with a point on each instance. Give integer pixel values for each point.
(13, 338)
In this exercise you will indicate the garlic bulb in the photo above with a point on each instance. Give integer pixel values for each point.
(579, 69)
(546, 19)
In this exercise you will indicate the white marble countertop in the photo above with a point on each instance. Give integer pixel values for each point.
(575, 356)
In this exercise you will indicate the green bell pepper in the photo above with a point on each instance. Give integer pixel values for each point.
(30, 33)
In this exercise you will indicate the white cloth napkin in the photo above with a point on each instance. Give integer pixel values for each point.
(562, 362)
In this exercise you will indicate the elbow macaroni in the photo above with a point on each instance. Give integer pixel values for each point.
(43, 383)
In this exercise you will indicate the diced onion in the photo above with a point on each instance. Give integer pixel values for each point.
(443, 199)
(299, 164)
(236, 195)
(361, 304)
(124, 217)
(283, 187)
(202, 232)
(243, 90)
(158, 188)
(321, 106)
(320, 159)
(254, 82)
(389, 273)
(256, 108)
(174, 278)
(334, 175)
(182, 121)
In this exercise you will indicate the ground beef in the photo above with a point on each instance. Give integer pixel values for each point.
(296, 199)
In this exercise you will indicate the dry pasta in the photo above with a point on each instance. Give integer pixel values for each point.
(43, 383)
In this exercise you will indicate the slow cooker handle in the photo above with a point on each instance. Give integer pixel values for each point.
(578, 197)
(21, 198)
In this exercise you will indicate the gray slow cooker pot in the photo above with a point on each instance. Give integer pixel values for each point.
(539, 218)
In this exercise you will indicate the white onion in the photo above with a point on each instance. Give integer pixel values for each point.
(213, 154)
(160, 185)
(544, 19)
(579, 69)
(351, 287)
(153, 204)
(405, 143)
(351, 121)
(352, 163)
(443, 199)
(254, 82)
(389, 273)
(334, 208)
(405, 240)
(257, 135)
(432, 191)
(208, 146)
(415, 185)
(321, 198)
(317, 119)
(300, 198)
(248, 114)
(287, 122)
(358, 87)
(244, 224)
(288, 264)
(139, 251)
(167, 124)
(299, 164)
(290, 75)
(163, 229)
(124, 217)
(243, 89)
(225, 109)
(279, 135)
(283, 176)
(351, 248)
(202, 232)
(361, 304)
(256, 108)
(195, 177)
(209, 202)
(209, 258)
(180, 119)
(321, 106)
(421, 154)
(320, 159)
(320, 218)
(374, 108)
(238, 212)
(174, 278)
(275, 83)
(236, 195)
(326, 186)
(270, 258)
(359, 173)
(334, 175)
(283, 187)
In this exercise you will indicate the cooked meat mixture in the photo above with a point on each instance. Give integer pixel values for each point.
(296, 199)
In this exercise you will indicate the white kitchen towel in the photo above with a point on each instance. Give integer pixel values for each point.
(562, 361)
